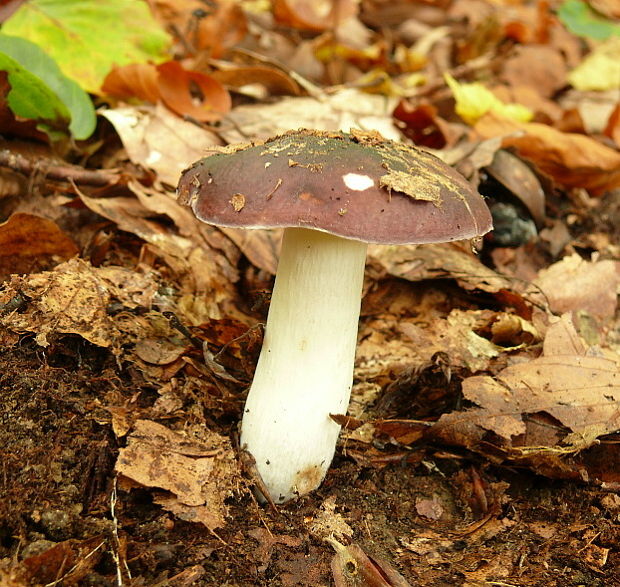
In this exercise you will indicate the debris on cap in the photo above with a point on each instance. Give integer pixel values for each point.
(358, 186)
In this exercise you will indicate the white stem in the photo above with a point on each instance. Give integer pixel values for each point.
(305, 369)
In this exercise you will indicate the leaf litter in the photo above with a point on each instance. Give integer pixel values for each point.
(484, 410)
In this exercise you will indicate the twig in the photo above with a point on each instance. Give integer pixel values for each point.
(57, 171)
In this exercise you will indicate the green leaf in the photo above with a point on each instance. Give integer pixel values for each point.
(581, 20)
(32, 99)
(87, 37)
(36, 62)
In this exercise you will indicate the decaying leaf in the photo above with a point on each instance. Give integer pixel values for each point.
(577, 387)
(74, 298)
(207, 275)
(70, 560)
(328, 523)
(199, 471)
(28, 242)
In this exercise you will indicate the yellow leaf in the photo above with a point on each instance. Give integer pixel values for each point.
(600, 70)
(473, 101)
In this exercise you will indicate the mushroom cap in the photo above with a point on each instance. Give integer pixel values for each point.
(358, 186)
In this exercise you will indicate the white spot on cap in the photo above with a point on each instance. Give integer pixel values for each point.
(357, 182)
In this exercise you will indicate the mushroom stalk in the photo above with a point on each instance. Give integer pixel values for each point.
(305, 369)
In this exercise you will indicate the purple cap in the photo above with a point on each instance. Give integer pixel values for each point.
(358, 186)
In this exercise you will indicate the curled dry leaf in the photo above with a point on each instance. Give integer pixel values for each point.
(276, 81)
(199, 471)
(343, 110)
(572, 160)
(70, 560)
(424, 126)
(174, 85)
(202, 269)
(517, 177)
(612, 129)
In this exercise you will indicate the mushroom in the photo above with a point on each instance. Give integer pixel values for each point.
(332, 193)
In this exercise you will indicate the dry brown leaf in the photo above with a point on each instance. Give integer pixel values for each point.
(159, 351)
(204, 272)
(30, 243)
(574, 284)
(423, 125)
(343, 110)
(74, 299)
(26, 235)
(573, 160)
(209, 28)
(276, 81)
(313, 15)
(199, 470)
(392, 344)
(157, 139)
(540, 66)
(579, 390)
(174, 85)
(70, 560)
(352, 567)
(261, 247)
(437, 261)
(612, 129)
(429, 508)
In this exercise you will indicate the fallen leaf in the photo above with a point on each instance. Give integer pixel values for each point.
(612, 128)
(438, 261)
(27, 235)
(572, 160)
(578, 390)
(313, 15)
(600, 70)
(205, 273)
(429, 508)
(342, 110)
(209, 30)
(352, 567)
(71, 560)
(199, 470)
(73, 298)
(574, 284)
(474, 100)
(87, 38)
(540, 66)
(157, 139)
(276, 81)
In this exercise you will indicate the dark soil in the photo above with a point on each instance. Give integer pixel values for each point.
(494, 526)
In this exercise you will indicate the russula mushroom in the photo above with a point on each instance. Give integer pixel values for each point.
(332, 193)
